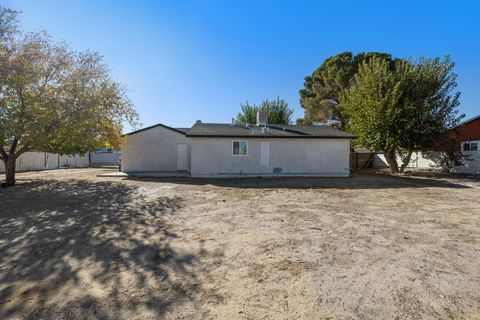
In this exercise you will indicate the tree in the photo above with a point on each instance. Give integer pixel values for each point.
(322, 90)
(57, 100)
(401, 108)
(8, 24)
(277, 111)
(248, 113)
(446, 153)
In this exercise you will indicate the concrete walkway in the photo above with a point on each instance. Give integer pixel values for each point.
(147, 174)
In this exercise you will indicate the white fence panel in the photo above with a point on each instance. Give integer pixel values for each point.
(51, 161)
(44, 161)
(104, 159)
(418, 160)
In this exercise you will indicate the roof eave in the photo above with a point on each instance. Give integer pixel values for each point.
(152, 127)
(253, 136)
(465, 122)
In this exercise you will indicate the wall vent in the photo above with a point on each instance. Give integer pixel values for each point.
(277, 170)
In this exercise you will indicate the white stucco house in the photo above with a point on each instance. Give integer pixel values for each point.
(234, 150)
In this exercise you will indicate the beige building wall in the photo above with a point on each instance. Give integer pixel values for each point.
(154, 149)
(212, 157)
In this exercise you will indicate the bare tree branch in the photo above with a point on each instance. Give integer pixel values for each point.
(22, 150)
(3, 153)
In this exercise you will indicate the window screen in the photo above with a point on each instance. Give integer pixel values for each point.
(239, 148)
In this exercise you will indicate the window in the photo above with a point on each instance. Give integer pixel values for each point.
(239, 148)
(470, 146)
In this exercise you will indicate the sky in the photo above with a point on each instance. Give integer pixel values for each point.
(184, 61)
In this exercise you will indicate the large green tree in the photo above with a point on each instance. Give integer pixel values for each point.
(400, 108)
(322, 89)
(54, 99)
(277, 112)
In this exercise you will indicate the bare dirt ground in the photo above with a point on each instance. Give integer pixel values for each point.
(74, 246)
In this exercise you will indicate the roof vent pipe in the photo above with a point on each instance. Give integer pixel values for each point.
(262, 118)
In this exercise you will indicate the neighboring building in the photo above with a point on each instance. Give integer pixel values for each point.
(230, 150)
(467, 140)
(467, 137)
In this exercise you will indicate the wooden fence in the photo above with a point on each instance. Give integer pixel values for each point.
(361, 160)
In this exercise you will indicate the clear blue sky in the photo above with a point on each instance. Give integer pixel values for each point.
(188, 60)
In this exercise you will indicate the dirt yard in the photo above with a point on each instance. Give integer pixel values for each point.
(75, 246)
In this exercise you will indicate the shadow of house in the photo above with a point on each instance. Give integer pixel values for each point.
(119, 237)
(369, 181)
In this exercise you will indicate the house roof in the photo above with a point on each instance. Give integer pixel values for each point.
(184, 130)
(200, 129)
(179, 130)
(271, 131)
(467, 121)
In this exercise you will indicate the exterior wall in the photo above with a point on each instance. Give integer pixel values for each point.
(418, 160)
(471, 161)
(212, 157)
(152, 150)
(468, 132)
(30, 161)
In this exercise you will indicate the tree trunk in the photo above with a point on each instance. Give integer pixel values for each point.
(391, 158)
(406, 161)
(10, 166)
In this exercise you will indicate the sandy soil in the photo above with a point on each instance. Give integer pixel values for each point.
(74, 246)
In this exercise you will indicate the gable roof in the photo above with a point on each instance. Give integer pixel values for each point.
(467, 121)
(270, 131)
(179, 130)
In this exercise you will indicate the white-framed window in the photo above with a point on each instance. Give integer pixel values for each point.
(239, 147)
(470, 146)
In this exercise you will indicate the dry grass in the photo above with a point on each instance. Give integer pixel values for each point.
(74, 246)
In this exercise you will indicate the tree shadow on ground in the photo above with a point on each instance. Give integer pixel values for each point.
(103, 249)
(443, 175)
(362, 181)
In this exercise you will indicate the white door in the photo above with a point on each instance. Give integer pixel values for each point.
(265, 153)
(182, 157)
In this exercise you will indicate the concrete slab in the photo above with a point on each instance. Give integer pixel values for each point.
(147, 174)
(116, 174)
(160, 174)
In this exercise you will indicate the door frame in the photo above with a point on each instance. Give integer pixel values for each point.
(178, 158)
(266, 155)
